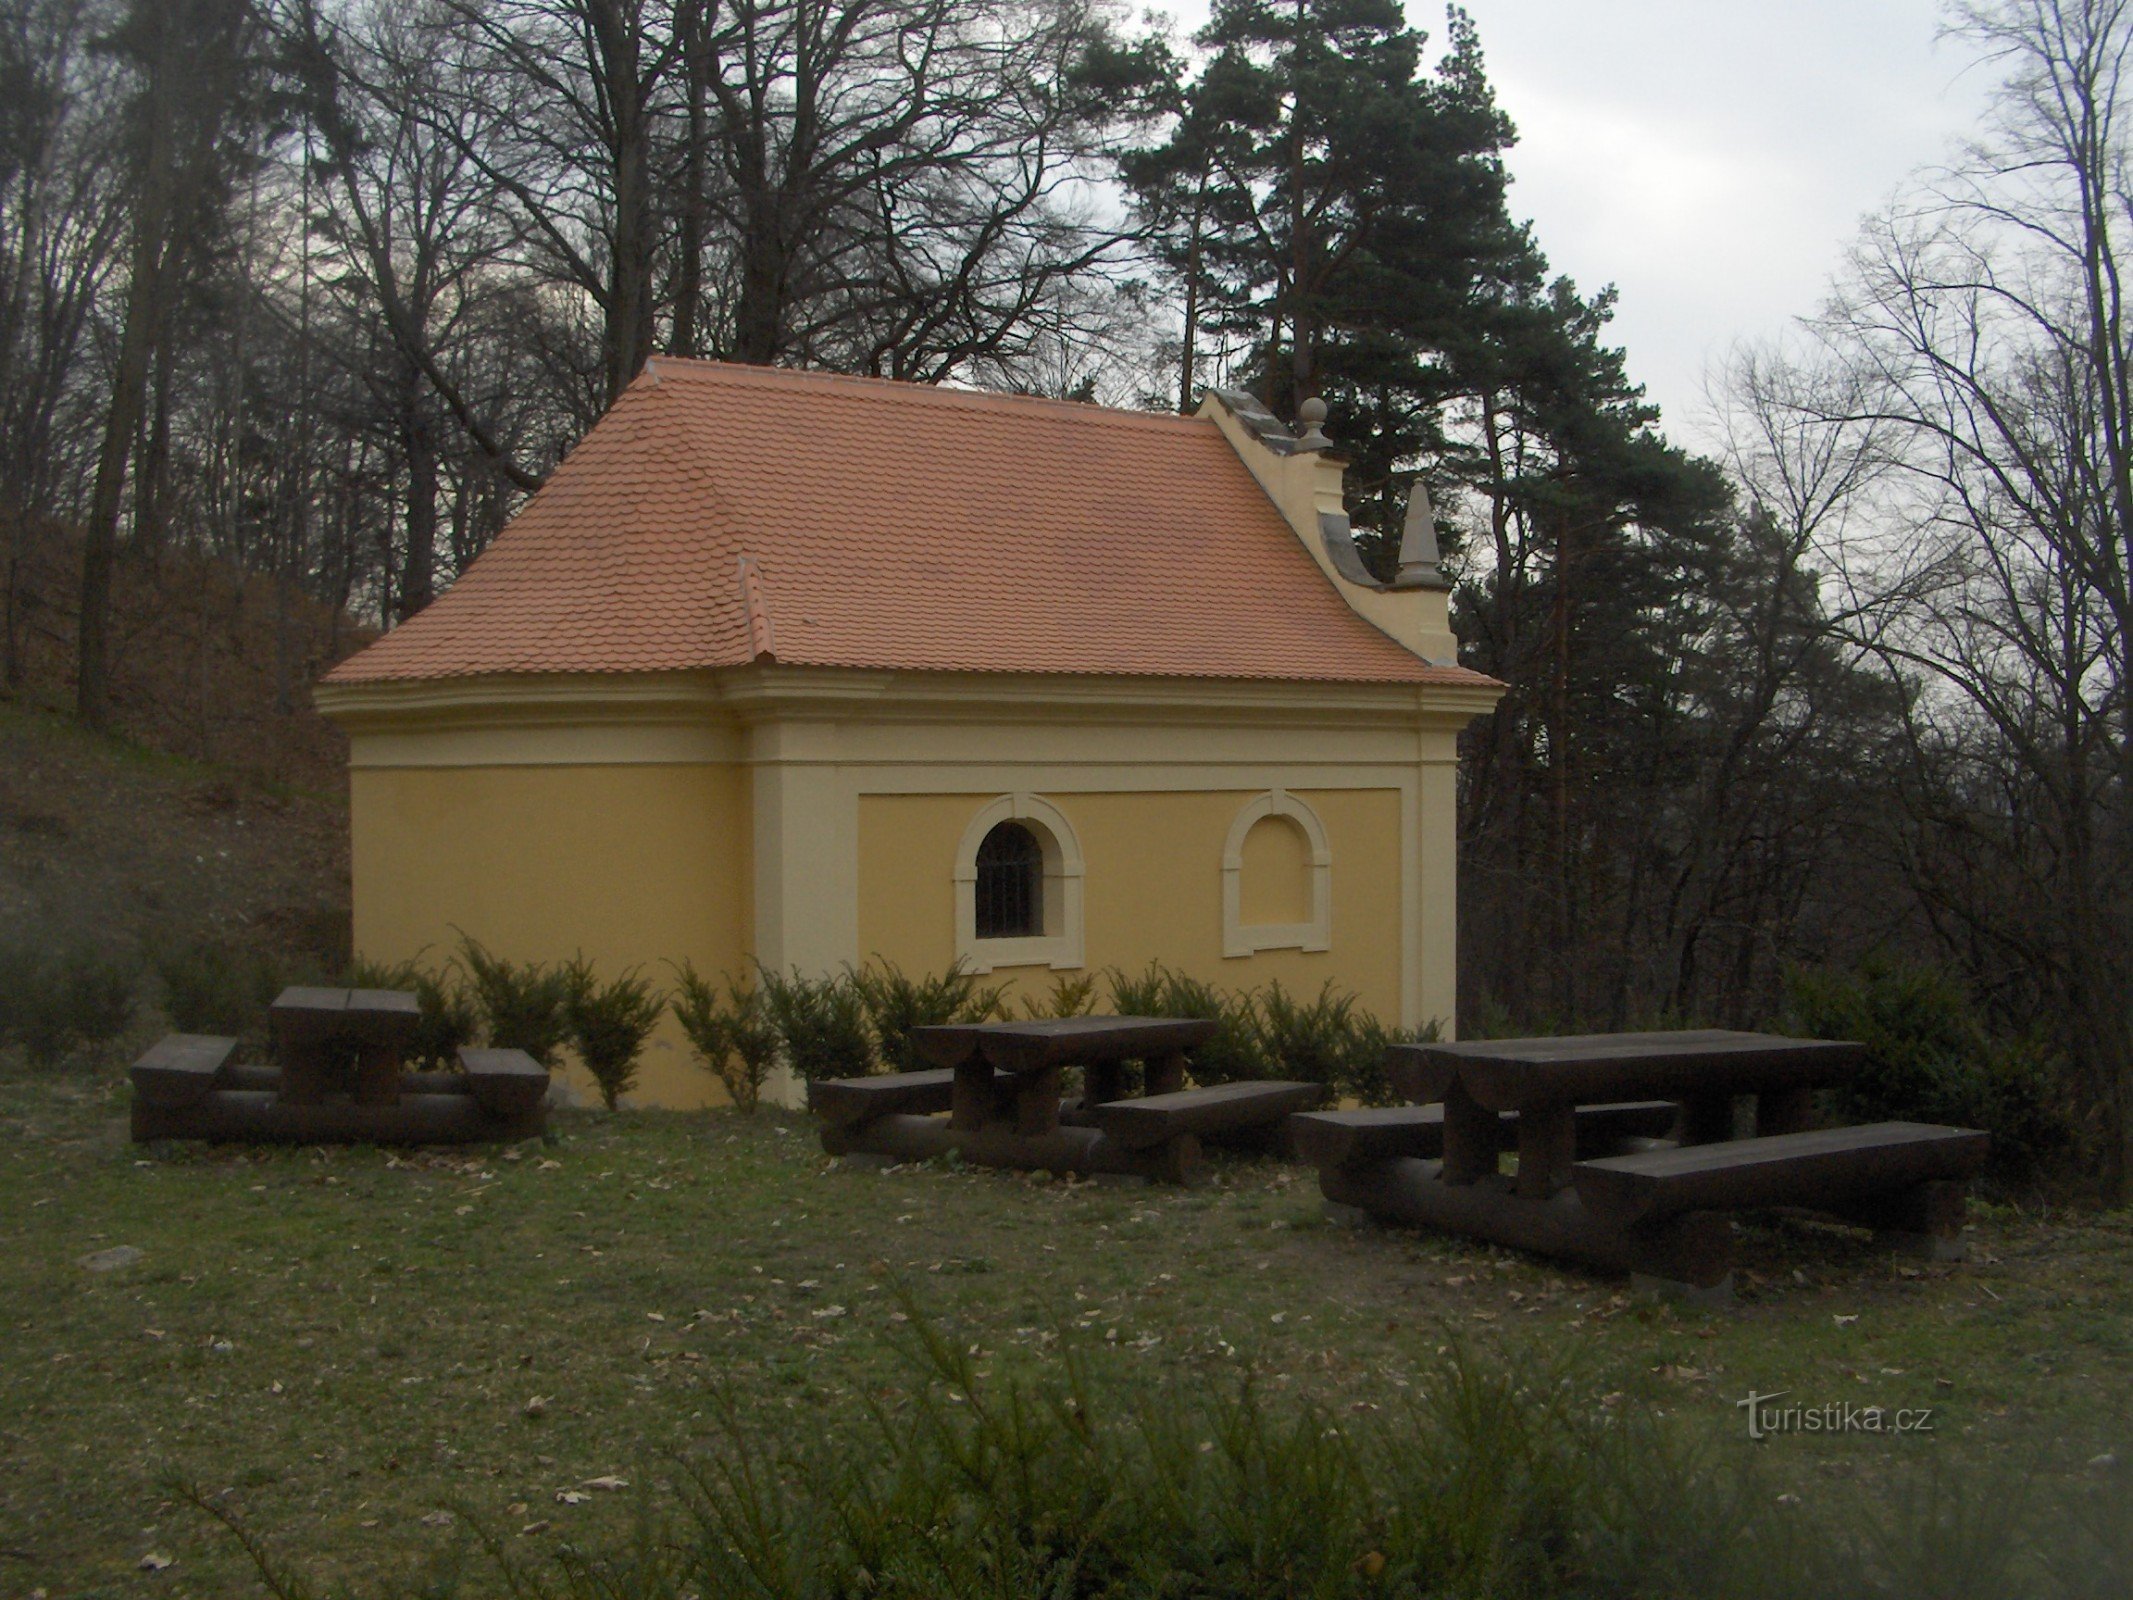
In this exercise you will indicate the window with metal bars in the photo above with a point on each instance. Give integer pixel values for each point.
(1010, 886)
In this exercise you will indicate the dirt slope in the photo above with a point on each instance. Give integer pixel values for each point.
(107, 842)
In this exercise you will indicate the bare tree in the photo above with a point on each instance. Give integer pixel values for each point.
(59, 226)
(1982, 325)
(190, 59)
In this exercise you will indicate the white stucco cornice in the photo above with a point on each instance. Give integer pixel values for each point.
(769, 692)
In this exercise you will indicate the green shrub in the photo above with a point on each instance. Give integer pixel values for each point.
(736, 1038)
(53, 1003)
(1069, 997)
(895, 1004)
(1232, 1055)
(217, 988)
(1931, 1058)
(609, 1023)
(1310, 1040)
(523, 1007)
(821, 1022)
(450, 1018)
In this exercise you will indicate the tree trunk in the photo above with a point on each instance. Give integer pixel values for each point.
(418, 576)
(92, 688)
(690, 224)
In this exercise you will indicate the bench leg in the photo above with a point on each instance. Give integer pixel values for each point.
(1179, 1161)
(1784, 1111)
(1471, 1135)
(1103, 1082)
(1037, 1101)
(305, 1070)
(1925, 1220)
(1165, 1075)
(1706, 1119)
(377, 1076)
(971, 1103)
(1547, 1150)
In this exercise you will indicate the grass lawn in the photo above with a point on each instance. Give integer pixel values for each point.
(364, 1349)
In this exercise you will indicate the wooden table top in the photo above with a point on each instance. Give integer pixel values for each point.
(1595, 1068)
(382, 1016)
(1059, 1041)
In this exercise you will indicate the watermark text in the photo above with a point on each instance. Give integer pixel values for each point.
(1769, 1415)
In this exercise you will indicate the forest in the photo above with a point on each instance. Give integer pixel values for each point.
(321, 289)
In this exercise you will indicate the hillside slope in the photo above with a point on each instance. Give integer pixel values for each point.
(109, 843)
(218, 808)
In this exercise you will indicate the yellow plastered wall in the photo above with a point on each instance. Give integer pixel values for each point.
(1152, 887)
(1276, 873)
(635, 865)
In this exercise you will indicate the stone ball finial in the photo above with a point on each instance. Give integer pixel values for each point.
(1310, 416)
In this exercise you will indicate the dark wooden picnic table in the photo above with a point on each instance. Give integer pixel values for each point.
(1547, 1080)
(1035, 1054)
(338, 1074)
(1003, 1085)
(316, 1030)
(1594, 1181)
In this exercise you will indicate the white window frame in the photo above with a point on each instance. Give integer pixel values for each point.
(1060, 945)
(1240, 938)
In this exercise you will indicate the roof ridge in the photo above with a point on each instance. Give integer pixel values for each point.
(658, 368)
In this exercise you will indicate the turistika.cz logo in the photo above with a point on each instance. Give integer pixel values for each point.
(1767, 1419)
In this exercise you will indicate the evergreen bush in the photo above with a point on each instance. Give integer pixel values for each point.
(1232, 1055)
(523, 1007)
(52, 1003)
(896, 1003)
(212, 987)
(1931, 1057)
(609, 1024)
(736, 1037)
(821, 1022)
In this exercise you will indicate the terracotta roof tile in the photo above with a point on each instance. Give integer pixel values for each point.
(891, 526)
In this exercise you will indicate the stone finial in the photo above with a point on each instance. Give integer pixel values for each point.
(1311, 417)
(1419, 557)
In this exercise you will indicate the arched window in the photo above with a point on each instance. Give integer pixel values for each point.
(1277, 878)
(1010, 884)
(1018, 887)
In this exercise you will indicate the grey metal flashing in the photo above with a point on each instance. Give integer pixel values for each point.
(1259, 422)
(1335, 532)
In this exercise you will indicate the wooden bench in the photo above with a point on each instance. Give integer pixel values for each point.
(508, 1084)
(179, 1069)
(1207, 1114)
(853, 1102)
(1386, 1133)
(1827, 1169)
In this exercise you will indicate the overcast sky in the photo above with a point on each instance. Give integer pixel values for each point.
(1711, 158)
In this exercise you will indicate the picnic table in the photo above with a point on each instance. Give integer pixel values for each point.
(339, 1074)
(1626, 1155)
(331, 1039)
(1002, 1087)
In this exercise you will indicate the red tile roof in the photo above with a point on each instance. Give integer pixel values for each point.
(718, 514)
